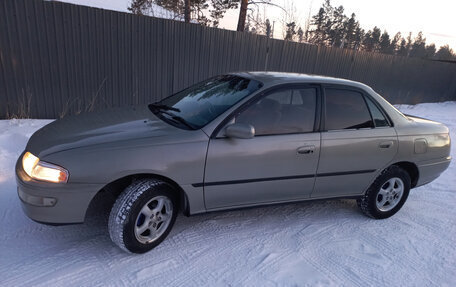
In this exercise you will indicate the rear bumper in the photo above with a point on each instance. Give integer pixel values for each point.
(429, 171)
(53, 203)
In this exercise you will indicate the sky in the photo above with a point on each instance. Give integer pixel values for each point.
(436, 18)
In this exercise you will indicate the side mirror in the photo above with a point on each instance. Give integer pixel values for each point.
(241, 131)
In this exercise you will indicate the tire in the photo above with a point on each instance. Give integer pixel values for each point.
(387, 194)
(143, 215)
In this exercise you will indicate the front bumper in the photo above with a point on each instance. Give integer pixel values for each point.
(53, 203)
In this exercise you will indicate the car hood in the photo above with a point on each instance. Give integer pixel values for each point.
(118, 124)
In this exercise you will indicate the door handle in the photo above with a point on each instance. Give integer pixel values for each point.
(386, 144)
(306, 149)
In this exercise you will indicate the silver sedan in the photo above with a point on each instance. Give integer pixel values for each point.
(236, 140)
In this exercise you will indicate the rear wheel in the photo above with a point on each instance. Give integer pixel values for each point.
(143, 215)
(387, 194)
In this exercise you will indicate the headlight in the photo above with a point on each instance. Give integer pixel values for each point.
(41, 170)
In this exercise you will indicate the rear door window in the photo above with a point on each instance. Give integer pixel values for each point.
(346, 109)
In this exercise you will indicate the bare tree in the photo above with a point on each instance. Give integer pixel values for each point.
(305, 37)
(289, 20)
(245, 7)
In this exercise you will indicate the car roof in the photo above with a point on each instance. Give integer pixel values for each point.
(274, 78)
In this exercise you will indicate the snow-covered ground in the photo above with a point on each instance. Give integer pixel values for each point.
(309, 243)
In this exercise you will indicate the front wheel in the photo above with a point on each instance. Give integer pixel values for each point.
(143, 215)
(387, 194)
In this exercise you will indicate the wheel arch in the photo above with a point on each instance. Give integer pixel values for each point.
(116, 187)
(411, 169)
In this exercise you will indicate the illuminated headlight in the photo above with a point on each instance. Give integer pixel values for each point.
(41, 170)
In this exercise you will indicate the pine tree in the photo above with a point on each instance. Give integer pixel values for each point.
(138, 6)
(445, 53)
(177, 6)
(327, 26)
(338, 27)
(385, 44)
(418, 48)
(359, 37)
(219, 7)
(191, 9)
(317, 34)
(198, 7)
(376, 33)
(408, 46)
(430, 51)
(351, 27)
(291, 32)
(371, 41)
(328, 22)
(402, 50)
(368, 43)
(395, 43)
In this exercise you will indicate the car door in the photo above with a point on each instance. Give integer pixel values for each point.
(357, 141)
(278, 163)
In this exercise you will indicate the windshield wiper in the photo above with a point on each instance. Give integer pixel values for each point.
(182, 121)
(163, 107)
(175, 117)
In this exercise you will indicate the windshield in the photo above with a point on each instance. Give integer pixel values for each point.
(199, 104)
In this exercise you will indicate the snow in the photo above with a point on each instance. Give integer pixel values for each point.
(322, 243)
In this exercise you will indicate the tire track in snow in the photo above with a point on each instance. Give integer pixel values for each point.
(318, 256)
(26, 274)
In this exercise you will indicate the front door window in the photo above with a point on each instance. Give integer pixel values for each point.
(285, 111)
